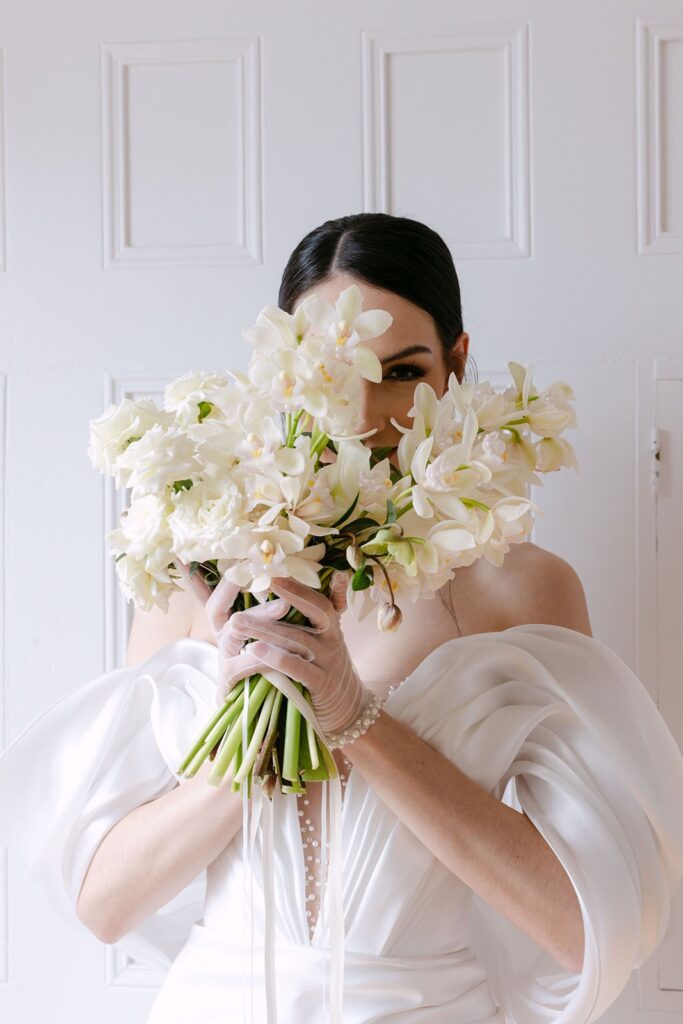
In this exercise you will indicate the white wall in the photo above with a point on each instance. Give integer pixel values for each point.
(159, 161)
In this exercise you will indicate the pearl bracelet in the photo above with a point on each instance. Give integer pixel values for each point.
(357, 728)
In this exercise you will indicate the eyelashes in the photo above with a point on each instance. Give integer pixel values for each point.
(416, 370)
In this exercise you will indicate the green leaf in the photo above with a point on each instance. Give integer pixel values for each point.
(361, 524)
(181, 485)
(204, 409)
(348, 511)
(372, 547)
(362, 578)
(473, 503)
(515, 433)
(378, 454)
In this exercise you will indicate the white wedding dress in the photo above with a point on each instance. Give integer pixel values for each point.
(549, 720)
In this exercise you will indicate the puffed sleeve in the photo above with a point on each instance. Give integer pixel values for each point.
(556, 725)
(92, 757)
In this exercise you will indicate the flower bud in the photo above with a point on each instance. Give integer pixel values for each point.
(354, 556)
(389, 617)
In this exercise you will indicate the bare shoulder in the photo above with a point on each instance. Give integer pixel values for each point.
(540, 586)
(152, 630)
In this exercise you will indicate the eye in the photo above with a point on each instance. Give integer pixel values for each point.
(417, 371)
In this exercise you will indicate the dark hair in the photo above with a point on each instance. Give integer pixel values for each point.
(396, 254)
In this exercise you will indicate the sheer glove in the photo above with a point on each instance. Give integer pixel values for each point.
(314, 655)
(232, 665)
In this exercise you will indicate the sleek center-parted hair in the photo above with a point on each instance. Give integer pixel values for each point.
(396, 254)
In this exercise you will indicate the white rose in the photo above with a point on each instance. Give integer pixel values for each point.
(157, 460)
(141, 587)
(206, 521)
(111, 434)
(145, 525)
(184, 394)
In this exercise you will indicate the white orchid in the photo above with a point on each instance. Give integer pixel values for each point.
(452, 475)
(285, 376)
(553, 453)
(344, 329)
(513, 522)
(275, 550)
(311, 508)
(235, 469)
(277, 329)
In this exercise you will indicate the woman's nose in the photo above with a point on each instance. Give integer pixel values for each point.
(370, 414)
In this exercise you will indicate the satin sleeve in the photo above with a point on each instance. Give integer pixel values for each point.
(90, 759)
(556, 725)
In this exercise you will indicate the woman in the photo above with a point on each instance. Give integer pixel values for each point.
(508, 804)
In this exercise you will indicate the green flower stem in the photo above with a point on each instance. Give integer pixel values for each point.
(292, 424)
(318, 441)
(211, 733)
(271, 735)
(311, 737)
(226, 751)
(259, 733)
(406, 508)
(290, 759)
(201, 755)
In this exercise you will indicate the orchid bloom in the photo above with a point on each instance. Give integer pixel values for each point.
(345, 327)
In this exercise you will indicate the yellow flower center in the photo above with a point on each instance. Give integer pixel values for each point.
(267, 550)
(343, 335)
(287, 382)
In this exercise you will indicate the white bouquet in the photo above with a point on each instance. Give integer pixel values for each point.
(261, 475)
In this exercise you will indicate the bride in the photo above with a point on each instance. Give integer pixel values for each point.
(512, 837)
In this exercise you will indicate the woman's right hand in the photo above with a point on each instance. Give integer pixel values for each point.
(232, 665)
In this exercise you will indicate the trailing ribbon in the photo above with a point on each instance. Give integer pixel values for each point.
(262, 814)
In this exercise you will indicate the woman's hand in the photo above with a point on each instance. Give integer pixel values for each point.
(315, 655)
(232, 666)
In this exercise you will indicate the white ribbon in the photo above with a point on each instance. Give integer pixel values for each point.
(262, 811)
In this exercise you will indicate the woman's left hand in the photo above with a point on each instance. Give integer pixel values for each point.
(315, 655)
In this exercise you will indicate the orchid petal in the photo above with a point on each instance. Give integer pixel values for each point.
(372, 323)
(367, 363)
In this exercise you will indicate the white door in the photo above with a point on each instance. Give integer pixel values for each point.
(158, 163)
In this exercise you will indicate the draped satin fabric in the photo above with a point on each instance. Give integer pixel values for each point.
(550, 721)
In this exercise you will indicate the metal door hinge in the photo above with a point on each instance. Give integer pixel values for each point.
(655, 457)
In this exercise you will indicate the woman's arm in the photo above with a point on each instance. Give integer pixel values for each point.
(149, 856)
(495, 850)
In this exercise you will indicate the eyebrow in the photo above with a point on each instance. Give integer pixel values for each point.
(409, 351)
